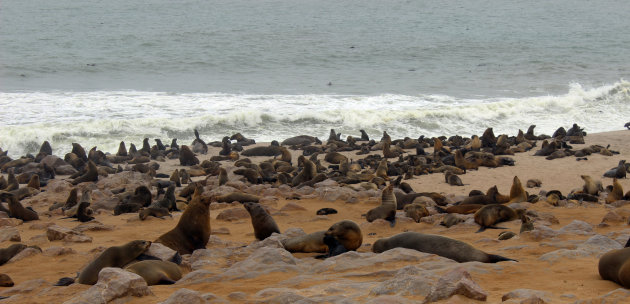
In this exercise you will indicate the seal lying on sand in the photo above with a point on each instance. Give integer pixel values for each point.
(436, 244)
(615, 266)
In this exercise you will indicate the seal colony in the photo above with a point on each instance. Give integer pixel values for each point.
(179, 196)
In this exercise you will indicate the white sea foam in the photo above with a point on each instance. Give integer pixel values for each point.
(104, 118)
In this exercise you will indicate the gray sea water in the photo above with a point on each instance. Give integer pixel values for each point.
(98, 72)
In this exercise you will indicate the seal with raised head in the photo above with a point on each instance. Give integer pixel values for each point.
(591, 186)
(616, 193)
(193, 229)
(614, 266)
(7, 253)
(617, 172)
(90, 175)
(429, 243)
(156, 272)
(312, 242)
(347, 234)
(387, 209)
(223, 176)
(517, 192)
(264, 225)
(452, 179)
(16, 209)
(116, 256)
(490, 215)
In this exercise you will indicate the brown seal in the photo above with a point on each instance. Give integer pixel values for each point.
(34, 182)
(223, 176)
(156, 272)
(452, 179)
(463, 163)
(7, 253)
(175, 178)
(436, 244)
(313, 242)
(490, 215)
(335, 158)
(5, 280)
(154, 211)
(387, 209)
(591, 186)
(618, 172)
(381, 170)
(90, 175)
(616, 193)
(116, 256)
(187, 157)
(16, 209)
(403, 199)
(615, 266)
(82, 211)
(450, 220)
(533, 183)
(416, 211)
(193, 229)
(517, 192)
(464, 208)
(308, 172)
(264, 225)
(347, 233)
(237, 197)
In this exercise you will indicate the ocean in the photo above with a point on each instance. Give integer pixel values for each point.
(101, 72)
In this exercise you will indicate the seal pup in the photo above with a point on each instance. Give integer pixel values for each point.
(326, 211)
(156, 272)
(264, 225)
(451, 220)
(7, 253)
(347, 233)
(490, 215)
(168, 201)
(614, 266)
(116, 256)
(312, 242)
(452, 179)
(335, 248)
(82, 210)
(533, 183)
(16, 209)
(154, 211)
(193, 229)
(435, 244)
(416, 211)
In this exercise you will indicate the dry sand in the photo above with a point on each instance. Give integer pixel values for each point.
(577, 277)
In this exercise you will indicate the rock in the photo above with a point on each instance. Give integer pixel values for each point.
(24, 287)
(407, 281)
(160, 251)
(539, 233)
(28, 252)
(618, 295)
(529, 295)
(389, 300)
(57, 251)
(613, 217)
(458, 281)
(237, 296)
(291, 206)
(92, 226)
(326, 183)
(294, 232)
(55, 233)
(11, 222)
(577, 227)
(113, 283)
(40, 226)
(185, 296)
(10, 234)
(65, 170)
(105, 204)
(233, 214)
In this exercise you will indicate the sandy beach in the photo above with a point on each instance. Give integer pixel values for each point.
(549, 262)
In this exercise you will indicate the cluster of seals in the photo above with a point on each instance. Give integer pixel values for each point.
(116, 256)
(436, 244)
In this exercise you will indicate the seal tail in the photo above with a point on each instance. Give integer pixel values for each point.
(493, 258)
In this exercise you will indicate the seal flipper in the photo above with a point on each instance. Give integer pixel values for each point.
(493, 258)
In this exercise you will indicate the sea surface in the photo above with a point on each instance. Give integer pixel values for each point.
(101, 72)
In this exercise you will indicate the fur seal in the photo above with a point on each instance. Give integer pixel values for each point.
(517, 192)
(450, 220)
(90, 175)
(533, 183)
(591, 186)
(463, 163)
(618, 172)
(264, 225)
(616, 193)
(326, 211)
(154, 211)
(237, 197)
(7, 253)
(615, 266)
(334, 247)
(464, 208)
(187, 157)
(5, 280)
(308, 172)
(452, 179)
(223, 176)
(381, 170)
(387, 209)
(446, 247)
(193, 229)
(156, 272)
(116, 256)
(490, 215)
(313, 242)
(82, 212)
(175, 178)
(347, 233)
(416, 211)
(16, 209)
